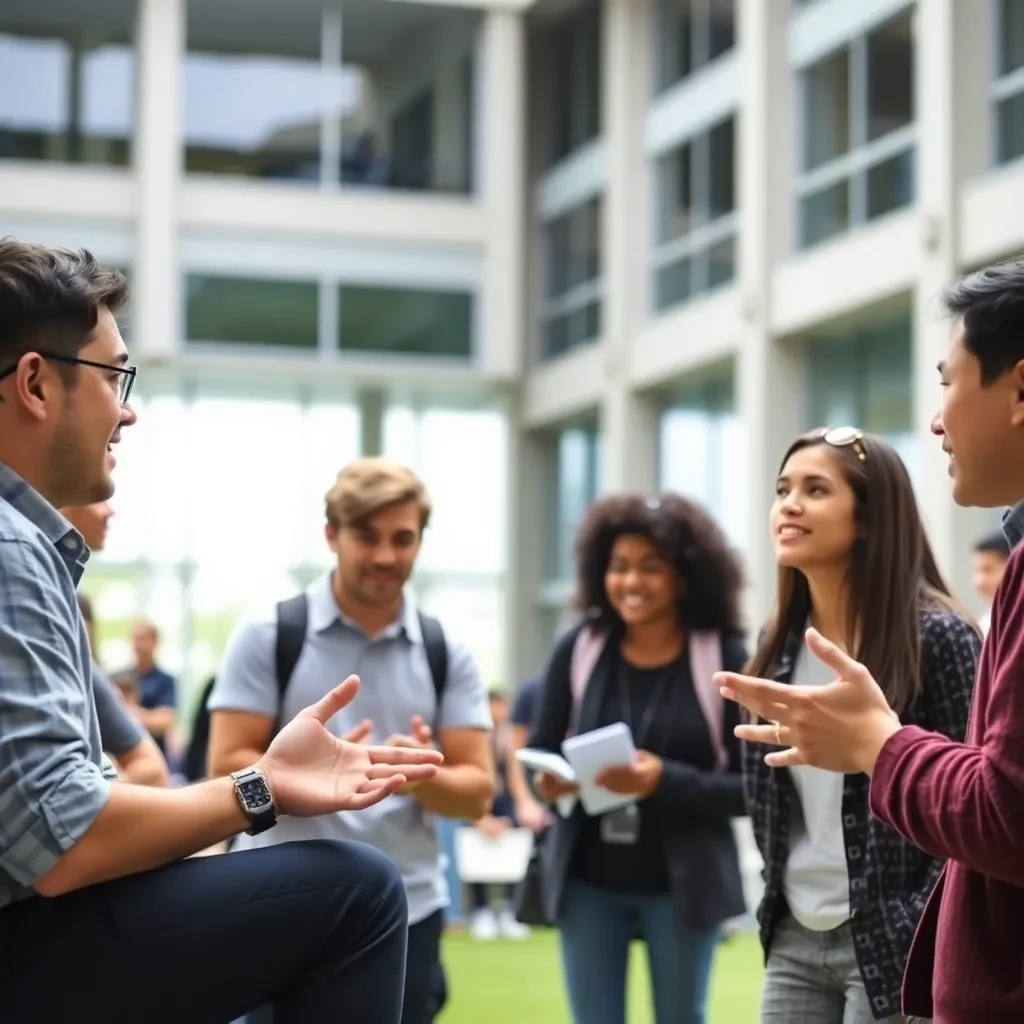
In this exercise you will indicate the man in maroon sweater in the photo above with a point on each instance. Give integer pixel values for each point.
(960, 801)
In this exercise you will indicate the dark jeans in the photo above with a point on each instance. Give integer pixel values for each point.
(426, 988)
(316, 929)
(482, 895)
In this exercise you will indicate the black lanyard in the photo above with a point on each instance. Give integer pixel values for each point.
(653, 704)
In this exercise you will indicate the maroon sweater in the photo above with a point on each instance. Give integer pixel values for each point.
(965, 802)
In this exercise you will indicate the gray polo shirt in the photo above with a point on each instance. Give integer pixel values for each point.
(396, 685)
(54, 779)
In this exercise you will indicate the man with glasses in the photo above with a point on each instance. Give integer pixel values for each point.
(91, 868)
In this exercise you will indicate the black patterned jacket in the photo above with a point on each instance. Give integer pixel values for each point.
(889, 878)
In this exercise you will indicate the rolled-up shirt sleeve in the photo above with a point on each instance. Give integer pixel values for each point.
(51, 791)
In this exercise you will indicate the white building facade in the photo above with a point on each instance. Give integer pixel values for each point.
(540, 250)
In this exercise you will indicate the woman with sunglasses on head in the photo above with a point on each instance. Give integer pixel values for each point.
(659, 589)
(843, 893)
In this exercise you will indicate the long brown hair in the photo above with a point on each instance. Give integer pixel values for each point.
(892, 575)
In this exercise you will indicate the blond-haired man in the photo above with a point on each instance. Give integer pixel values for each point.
(359, 617)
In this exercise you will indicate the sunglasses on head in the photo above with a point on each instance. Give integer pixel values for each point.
(846, 437)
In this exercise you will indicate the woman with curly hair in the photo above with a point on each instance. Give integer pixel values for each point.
(659, 592)
(843, 892)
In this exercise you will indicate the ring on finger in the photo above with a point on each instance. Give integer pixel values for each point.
(778, 732)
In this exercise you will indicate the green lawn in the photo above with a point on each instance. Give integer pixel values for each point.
(520, 983)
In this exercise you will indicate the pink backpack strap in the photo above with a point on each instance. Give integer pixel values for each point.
(585, 653)
(705, 661)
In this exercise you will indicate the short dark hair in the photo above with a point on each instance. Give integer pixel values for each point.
(50, 299)
(990, 302)
(684, 535)
(995, 544)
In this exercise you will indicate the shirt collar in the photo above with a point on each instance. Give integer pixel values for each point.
(1013, 524)
(324, 612)
(29, 503)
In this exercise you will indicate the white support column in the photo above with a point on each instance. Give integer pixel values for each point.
(502, 74)
(953, 46)
(160, 49)
(628, 420)
(769, 375)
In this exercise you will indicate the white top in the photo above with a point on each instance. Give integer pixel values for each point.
(985, 622)
(817, 882)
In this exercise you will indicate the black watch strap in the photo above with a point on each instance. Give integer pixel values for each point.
(255, 799)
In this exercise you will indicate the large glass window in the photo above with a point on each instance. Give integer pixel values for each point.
(863, 376)
(407, 118)
(571, 312)
(405, 321)
(254, 91)
(67, 81)
(1008, 87)
(572, 56)
(690, 34)
(251, 311)
(351, 94)
(703, 452)
(696, 223)
(858, 135)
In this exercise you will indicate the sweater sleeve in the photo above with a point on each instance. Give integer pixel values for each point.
(965, 802)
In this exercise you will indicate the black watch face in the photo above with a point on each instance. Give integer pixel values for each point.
(254, 792)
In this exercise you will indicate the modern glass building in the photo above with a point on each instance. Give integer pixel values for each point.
(537, 250)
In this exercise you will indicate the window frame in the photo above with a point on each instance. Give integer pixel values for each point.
(863, 155)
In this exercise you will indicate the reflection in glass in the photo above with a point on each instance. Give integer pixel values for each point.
(253, 93)
(1011, 36)
(405, 321)
(575, 464)
(1010, 121)
(825, 213)
(826, 93)
(572, 73)
(690, 34)
(67, 92)
(572, 270)
(251, 311)
(890, 184)
(890, 73)
(406, 120)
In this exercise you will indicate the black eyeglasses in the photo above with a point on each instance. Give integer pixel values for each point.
(125, 374)
(846, 437)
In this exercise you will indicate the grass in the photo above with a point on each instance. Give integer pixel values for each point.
(520, 982)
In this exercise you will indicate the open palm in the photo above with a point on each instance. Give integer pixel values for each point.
(311, 772)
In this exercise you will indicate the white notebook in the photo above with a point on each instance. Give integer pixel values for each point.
(585, 756)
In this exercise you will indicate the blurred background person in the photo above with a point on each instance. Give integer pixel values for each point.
(988, 563)
(129, 745)
(655, 580)
(843, 893)
(489, 921)
(151, 692)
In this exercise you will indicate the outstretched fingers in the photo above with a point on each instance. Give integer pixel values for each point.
(410, 772)
(374, 791)
(404, 756)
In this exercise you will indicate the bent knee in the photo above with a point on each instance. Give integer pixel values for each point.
(358, 864)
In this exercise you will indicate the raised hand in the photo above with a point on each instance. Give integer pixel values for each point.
(551, 788)
(841, 727)
(419, 737)
(638, 779)
(310, 772)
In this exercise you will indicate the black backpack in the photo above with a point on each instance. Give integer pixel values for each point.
(292, 620)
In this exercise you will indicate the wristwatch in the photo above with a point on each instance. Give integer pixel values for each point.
(256, 800)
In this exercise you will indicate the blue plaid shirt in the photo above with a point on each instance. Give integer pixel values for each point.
(53, 775)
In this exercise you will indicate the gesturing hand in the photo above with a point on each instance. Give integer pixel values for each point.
(310, 772)
(419, 737)
(640, 778)
(841, 727)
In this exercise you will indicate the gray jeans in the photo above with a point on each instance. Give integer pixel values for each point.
(813, 978)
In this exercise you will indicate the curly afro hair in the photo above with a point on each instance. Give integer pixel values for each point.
(685, 536)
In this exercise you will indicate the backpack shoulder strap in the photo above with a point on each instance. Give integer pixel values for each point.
(586, 651)
(705, 661)
(436, 645)
(292, 621)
